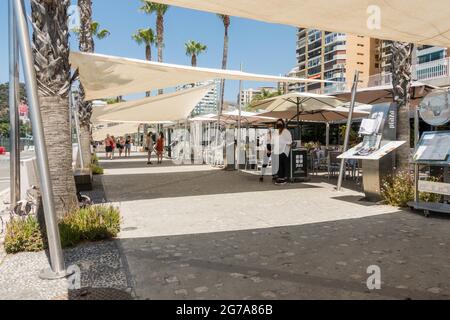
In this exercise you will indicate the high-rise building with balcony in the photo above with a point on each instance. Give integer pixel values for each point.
(210, 102)
(248, 95)
(334, 56)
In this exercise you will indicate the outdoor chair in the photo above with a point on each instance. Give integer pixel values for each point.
(334, 164)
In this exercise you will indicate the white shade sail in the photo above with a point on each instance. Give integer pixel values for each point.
(107, 76)
(168, 107)
(304, 102)
(117, 130)
(413, 21)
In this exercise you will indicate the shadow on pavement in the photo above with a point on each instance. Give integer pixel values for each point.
(318, 261)
(119, 188)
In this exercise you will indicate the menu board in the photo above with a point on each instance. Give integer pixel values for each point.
(375, 155)
(434, 146)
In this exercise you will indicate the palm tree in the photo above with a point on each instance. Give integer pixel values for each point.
(146, 37)
(150, 7)
(226, 23)
(401, 80)
(51, 60)
(86, 32)
(193, 50)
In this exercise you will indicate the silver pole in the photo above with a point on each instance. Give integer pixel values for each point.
(416, 128)
(328, 136)
(77, 128)
(14, 133)
(239, 133)
(349, 128)
(54, 242)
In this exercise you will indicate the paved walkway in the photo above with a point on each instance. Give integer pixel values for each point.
(194, 232)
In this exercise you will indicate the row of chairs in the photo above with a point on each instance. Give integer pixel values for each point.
(330, 163)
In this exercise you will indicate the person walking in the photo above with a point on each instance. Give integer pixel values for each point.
(121, 146)
(282, 143)
(128, 147)
(108, 147)
(149, 146)
(160, 144)
(113, 145)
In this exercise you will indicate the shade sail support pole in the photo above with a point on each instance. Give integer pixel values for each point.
(57, 270)
(14, 87)
(239, 133)
(77, 127)
(348, 130)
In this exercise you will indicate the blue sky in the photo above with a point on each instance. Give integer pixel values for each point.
(262, 48)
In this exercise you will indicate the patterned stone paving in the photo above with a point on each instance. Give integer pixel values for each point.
(318, 261)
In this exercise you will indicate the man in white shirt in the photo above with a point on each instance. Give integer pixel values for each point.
(282, 143)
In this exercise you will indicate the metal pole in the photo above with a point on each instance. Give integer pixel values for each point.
(239, 133)
(14, 133)
(77, 128)
(328, 135)
(349, 128)
(54, 242)
(299, 128)
(416, 127)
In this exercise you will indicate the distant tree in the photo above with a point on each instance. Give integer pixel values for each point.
(160, 10)
(193, 50)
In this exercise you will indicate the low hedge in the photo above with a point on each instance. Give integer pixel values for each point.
(398, 190)
(94, 223)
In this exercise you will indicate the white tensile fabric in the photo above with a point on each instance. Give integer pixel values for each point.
(117, 130)
(413, 21)
(107, 76)
(164, 108)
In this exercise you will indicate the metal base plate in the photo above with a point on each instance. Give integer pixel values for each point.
(430, 207)
(49, 274)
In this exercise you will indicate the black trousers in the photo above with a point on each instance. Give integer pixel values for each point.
(283, 166)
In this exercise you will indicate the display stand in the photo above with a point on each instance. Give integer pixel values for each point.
(377, 149)
(433, 150)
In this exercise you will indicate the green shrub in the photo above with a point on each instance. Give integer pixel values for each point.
(96, 169)
(398, 190)
(23, 235)
(94, 223)
(95, 159)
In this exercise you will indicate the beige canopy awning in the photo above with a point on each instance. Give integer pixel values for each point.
(107, 76)
(116, 130)
(384, 94)
(413, 21)
(298, 101)
(326, 115)
(159, 109)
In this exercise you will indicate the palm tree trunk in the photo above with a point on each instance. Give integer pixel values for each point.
(51, 48)
(401, 80)
(194, 60)
(148, 56)
(86, 44)
(160, 40)
(224, 64)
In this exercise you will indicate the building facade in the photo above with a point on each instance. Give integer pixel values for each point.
(210, 102)
(334, 56)
(247, 96)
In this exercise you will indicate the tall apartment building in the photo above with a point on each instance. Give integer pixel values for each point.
(210, 102)
(246, 96)
(335, 56)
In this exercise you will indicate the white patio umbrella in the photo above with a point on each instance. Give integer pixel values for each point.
(300, 103)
